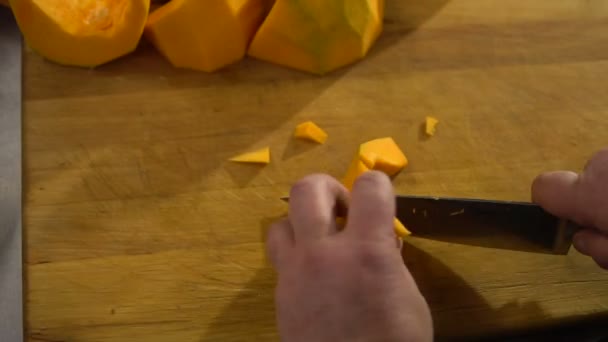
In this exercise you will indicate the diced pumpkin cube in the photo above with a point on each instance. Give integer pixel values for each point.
(431, 125)
(310, 131)
(257, 157)
(205, 34)
(356, 169)
(383, 155)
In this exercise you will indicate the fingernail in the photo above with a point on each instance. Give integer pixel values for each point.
(580, 244)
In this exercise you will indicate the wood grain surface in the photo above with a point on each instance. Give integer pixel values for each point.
(138, 229)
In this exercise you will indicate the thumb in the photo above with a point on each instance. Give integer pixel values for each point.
(594, 244)
(559, 192)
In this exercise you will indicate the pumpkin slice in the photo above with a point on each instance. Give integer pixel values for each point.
(383, 155)
(205, 35)
(310, 131)
(257, 157)
(318, 36)
(83, 33)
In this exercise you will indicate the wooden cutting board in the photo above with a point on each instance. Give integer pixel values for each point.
(137, 228)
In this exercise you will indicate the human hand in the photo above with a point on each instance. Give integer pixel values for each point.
(350, 284)
(582, 198)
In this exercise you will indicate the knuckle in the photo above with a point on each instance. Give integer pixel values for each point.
(308, 184)
(316, 261)
(374, 179)
(374, 258)
(320, 219)
(310, 195)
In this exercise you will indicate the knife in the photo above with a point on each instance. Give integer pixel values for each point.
(486, 223)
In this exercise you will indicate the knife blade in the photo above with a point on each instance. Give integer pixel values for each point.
(11, 283)
(487, 223)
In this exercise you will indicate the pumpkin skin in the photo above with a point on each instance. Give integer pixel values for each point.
(84, 33)
(318, 36)
(205, 35)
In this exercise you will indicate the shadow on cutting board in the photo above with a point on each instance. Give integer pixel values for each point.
(297, 147)
(250, 316)
(459, 311)
(402, 18)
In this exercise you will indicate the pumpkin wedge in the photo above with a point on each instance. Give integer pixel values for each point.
(310, 131)
(84, 33)
(261, 156)
(318, 36)
(205, 35)
(400, 229)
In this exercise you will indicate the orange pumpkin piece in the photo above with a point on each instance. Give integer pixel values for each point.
(83, 33)
(431, 125)
(205, 35)
(261, 156)
(318, 36)
(310, 131)
(356, 169)
(383, 155)
(400, 229)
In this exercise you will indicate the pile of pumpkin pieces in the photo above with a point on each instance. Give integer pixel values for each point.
(381, 154)
(206, 35)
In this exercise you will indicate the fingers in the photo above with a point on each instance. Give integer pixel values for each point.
(594, 244)
(279, 240)
(581, 198)
(558, 193)
(372, 207)
(313, 204)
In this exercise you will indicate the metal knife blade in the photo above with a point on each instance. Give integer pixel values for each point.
(11, 284)
(486, 223)
(497, 224)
